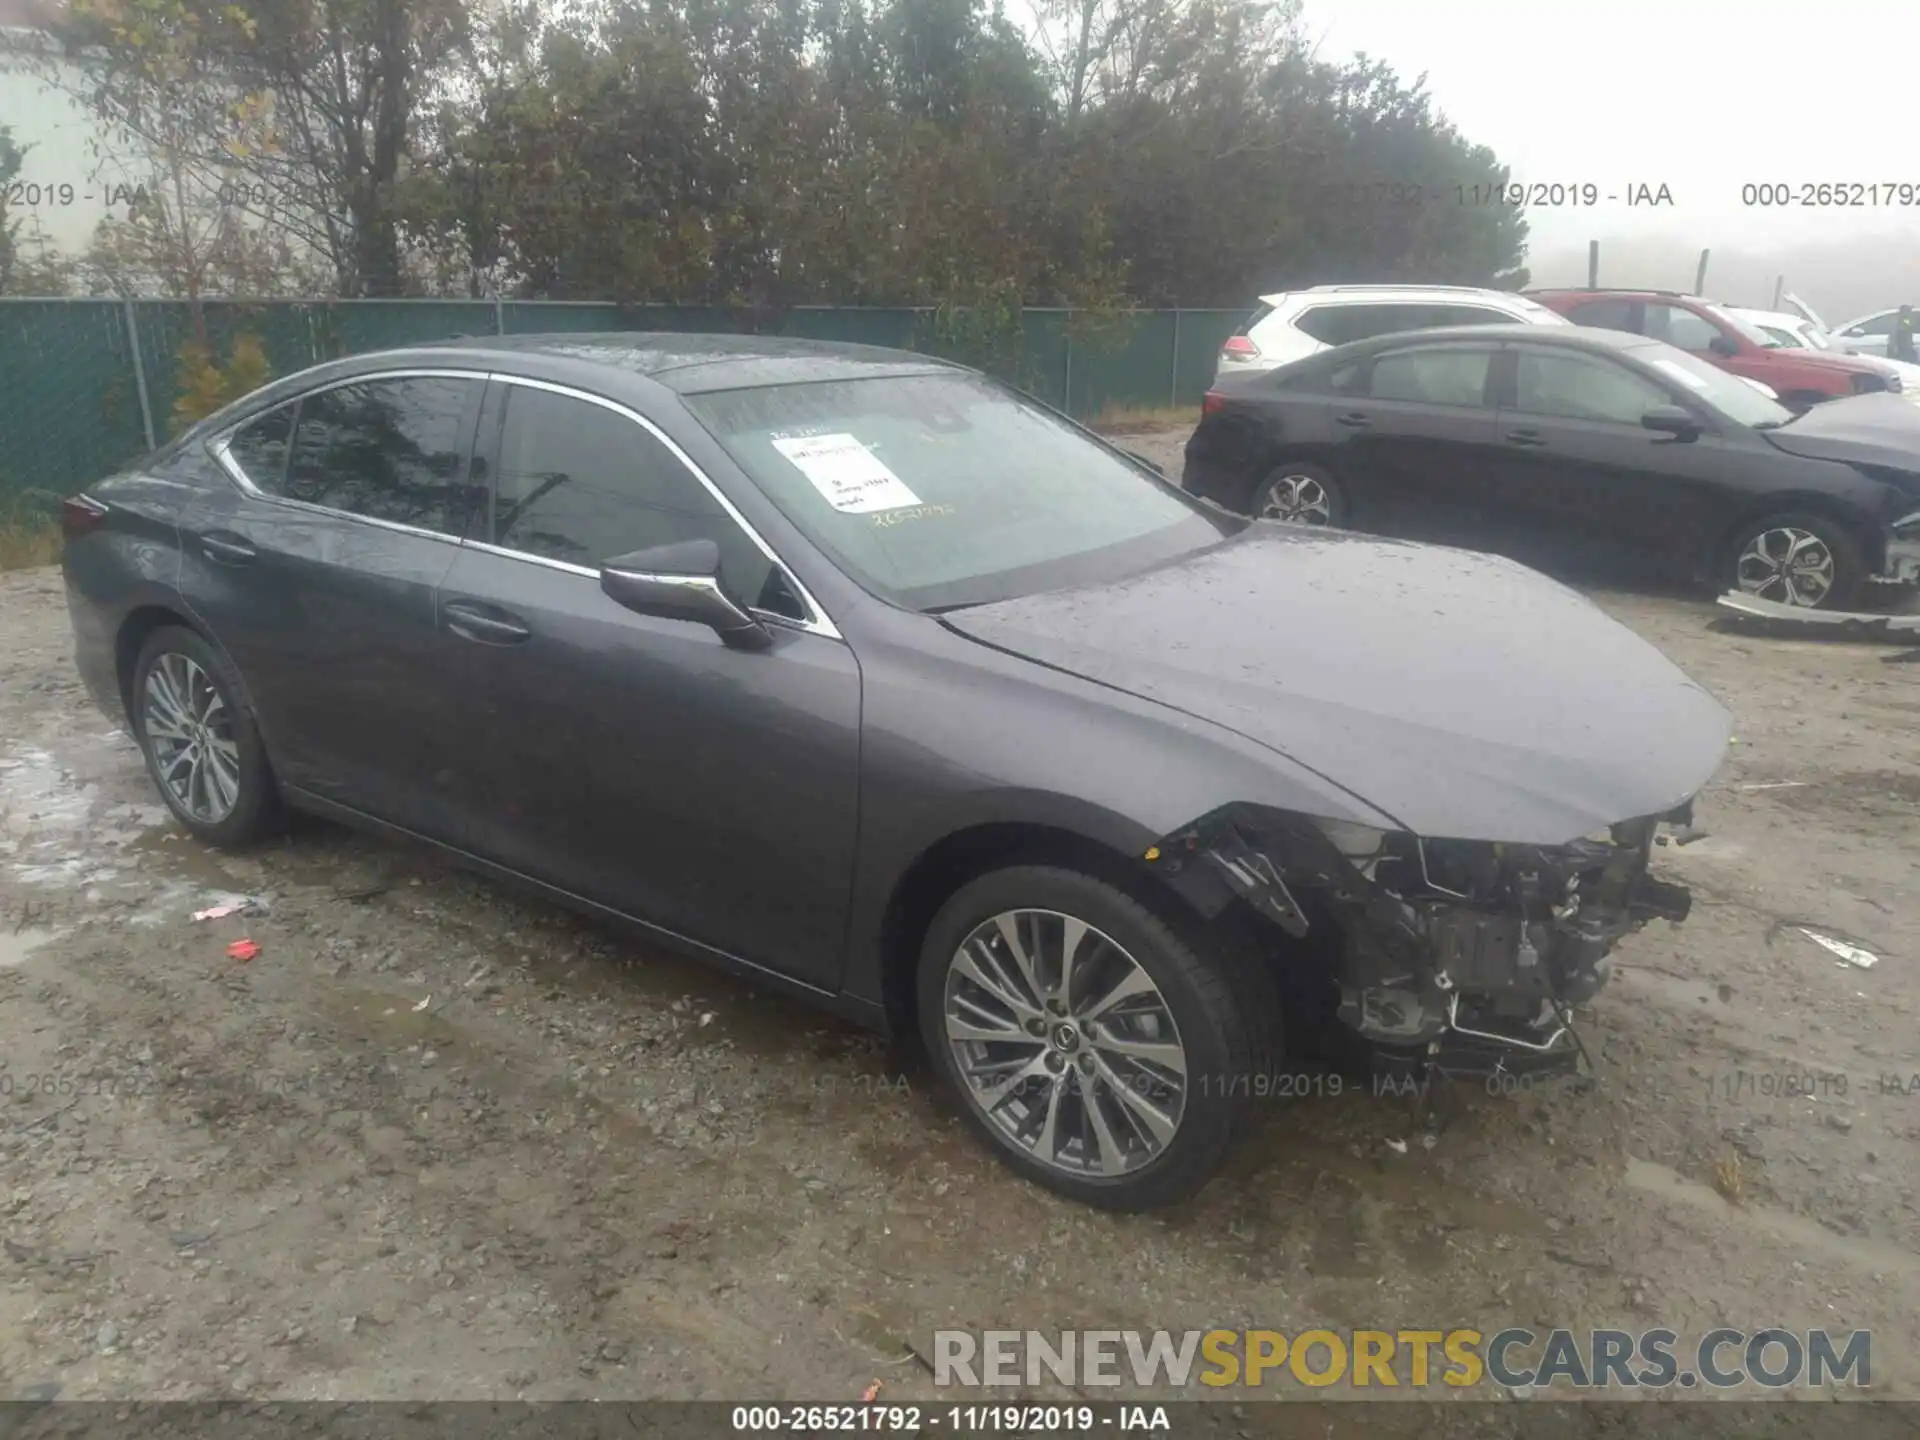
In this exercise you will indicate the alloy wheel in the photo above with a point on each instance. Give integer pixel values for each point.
(189, 732)
(1787, 564)
(1064, 1043)
(1300, 499)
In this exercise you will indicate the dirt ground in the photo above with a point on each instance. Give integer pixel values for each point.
(439, 1141)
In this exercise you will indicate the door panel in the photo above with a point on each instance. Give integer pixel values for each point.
(646, 765)
(1585, 479)
(641, 762)
(1416, 442)
(330, 615)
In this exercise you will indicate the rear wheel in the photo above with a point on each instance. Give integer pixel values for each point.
(1090, 1045)
(1802, 560)
(200, 741)
(1300, 494)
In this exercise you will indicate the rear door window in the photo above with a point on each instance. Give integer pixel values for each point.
(392, 450)
(1443, 375)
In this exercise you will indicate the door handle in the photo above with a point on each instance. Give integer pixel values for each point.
(224, 548)
(1525, 437)
(1353, 420)
(484, 625)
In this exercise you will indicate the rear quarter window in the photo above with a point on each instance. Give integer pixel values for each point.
(1329, 324)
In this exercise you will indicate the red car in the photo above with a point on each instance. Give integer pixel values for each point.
(1801, 378)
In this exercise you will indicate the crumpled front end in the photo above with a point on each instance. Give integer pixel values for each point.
(1464, 955)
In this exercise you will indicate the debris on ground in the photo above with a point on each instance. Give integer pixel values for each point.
(245, 905)
(1398, 1147)
(1852, 954)
(1769, 617)
(243, 950)
(871, 1393)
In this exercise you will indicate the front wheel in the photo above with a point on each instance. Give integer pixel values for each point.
(1299, 494)
(1807, 561)
(1089, 1044)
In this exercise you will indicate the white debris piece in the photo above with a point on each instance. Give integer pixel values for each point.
(1852, 954)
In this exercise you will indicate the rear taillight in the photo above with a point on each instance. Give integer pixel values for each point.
(79, 515)
(1212, 402)
(1239, 347)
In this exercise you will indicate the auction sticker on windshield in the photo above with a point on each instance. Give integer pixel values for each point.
(851, 477)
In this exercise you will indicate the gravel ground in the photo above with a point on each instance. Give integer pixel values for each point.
(440, 1141)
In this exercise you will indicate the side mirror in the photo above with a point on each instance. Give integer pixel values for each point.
(682, 582)
(1721, 345)
(1671, 420)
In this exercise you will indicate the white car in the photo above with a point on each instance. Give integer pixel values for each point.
(1293, 324)
(1797, 332)
(1867, 335)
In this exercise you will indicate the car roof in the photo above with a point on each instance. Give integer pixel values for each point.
(1360, 294)
(1570, 337)
(693, 363)
(618, 363)
(1619, 293)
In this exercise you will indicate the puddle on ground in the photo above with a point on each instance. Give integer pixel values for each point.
(57, 828)
(17, 945)
(1803, 1236)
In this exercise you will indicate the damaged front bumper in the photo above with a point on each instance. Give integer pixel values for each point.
(1462, 955)
(1903, 553)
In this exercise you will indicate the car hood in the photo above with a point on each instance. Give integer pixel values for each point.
(1878, 429)
(1464, 695)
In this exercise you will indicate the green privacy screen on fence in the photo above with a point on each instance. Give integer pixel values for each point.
(71, 409)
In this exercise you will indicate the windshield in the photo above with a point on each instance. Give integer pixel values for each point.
(935, 491)
(1727, 393)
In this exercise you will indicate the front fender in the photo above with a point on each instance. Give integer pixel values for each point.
(956, 735)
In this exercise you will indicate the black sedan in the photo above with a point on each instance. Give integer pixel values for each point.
(1540, 442)
(854, 671)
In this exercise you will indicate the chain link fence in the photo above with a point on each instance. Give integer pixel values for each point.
(88, 386)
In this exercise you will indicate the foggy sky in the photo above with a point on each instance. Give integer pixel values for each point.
(1703, 96)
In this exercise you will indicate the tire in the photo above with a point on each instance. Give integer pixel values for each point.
(230, 798)
(1220, 1010)
(1300, 493)
(1742, 568)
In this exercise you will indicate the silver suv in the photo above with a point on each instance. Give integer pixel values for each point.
(1294, 324)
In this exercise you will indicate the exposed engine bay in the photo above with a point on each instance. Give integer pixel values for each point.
(1468, 955)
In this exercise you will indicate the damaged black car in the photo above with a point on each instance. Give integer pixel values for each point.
(858, 673)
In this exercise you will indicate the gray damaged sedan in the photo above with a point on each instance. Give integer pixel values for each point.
(859, 673)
